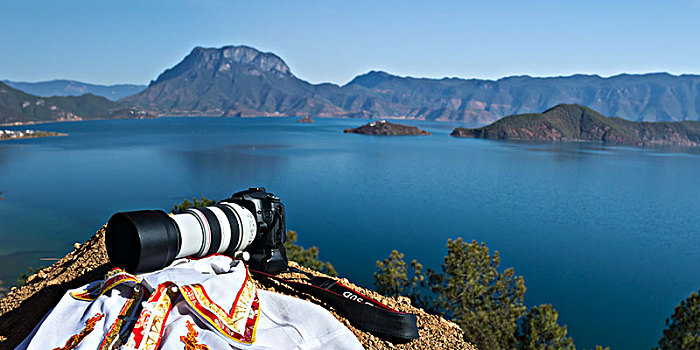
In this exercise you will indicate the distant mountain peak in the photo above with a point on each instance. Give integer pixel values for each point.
(247, 55)
(371, 79)
(223, 58)
(65, 87)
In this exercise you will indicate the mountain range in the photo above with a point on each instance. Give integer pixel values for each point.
(240, 81)
(64, 87)
(569, 122)
(20, 107)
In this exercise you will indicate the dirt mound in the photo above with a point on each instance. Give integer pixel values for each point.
(24, 307)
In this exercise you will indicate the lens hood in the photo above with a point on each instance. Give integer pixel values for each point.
(142, 241)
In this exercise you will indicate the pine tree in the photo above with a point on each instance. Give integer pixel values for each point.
(391, 279)
(186, 204)
(683, 328)
(306, 257)
(470, 291)
(474, 294)
(540, 330)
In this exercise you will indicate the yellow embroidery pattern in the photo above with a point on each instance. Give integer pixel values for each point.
(148, 331)
(113, 278)
(246, 300)
(190, 340)
(239, 326)
(74, 340)
(112, 339)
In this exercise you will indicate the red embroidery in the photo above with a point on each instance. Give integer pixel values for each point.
(73, 341)
(112, 279)
(148, 330)
(240, 325)
(191, 339)
(112, 339)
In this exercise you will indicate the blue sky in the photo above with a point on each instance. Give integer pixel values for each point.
(126, 41)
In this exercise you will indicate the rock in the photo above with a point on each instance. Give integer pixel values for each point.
(385, 128)
(305, 120)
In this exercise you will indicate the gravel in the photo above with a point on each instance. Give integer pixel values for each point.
(24, 307)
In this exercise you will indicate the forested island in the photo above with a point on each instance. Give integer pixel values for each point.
(305, 120)
(570, 122)
(385, 128)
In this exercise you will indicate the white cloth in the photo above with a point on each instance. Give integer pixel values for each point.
(203, 304)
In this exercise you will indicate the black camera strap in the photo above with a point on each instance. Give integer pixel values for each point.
(362, 311)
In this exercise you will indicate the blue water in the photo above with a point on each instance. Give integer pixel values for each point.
(608, 235)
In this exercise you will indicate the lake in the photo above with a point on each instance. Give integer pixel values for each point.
(608, 235)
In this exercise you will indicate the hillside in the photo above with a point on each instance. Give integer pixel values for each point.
(63, 87)
(242, 81)
(567, 122)
(24, 307)
(20, 107)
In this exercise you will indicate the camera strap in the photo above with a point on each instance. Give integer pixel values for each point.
(362, 311)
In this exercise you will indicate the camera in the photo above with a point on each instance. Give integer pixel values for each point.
(249, 225)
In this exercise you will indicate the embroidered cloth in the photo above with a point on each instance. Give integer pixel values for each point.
(205, 304)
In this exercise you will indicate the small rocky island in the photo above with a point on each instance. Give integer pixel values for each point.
(14, 135)
(306, 119)
(570, 122)
(385, 128)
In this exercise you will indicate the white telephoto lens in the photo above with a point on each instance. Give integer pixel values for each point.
(190, 233)
(225, 229)
(247, 226)
(205, 230)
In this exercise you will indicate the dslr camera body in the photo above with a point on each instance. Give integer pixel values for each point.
(249, 225)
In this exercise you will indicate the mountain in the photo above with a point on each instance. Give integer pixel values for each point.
(232, 81)
(242, 81)
(20, 107)
(570, 122)
(647, 97)
(75, 88)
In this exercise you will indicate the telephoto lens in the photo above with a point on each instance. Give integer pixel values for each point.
(250, 225)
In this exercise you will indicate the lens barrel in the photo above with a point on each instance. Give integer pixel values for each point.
(147, 240)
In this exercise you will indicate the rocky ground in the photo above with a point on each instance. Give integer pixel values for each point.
(24, 307)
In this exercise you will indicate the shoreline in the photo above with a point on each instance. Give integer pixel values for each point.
(179, 115)
(36, 135)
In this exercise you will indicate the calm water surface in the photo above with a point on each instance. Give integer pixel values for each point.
(608, 235)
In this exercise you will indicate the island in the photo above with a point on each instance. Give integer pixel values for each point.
(571, 122)
(306, 119)
(385, 128)
(25, 134)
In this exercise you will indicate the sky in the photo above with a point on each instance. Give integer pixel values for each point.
(125, 41)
